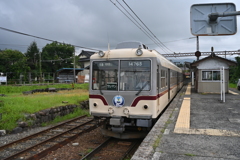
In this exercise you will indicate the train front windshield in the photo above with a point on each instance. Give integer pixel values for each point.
(121, 75)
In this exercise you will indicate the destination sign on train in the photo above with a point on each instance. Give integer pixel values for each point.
(145, 63)
(106, 64)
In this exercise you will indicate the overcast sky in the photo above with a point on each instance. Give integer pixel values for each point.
(95, 23)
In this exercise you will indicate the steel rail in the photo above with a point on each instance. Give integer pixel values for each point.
(96, 150)
(135, 144)
(59, 145)
(35, 134)
(49, 139)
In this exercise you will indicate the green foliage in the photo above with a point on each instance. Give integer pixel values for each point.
(234, 72)
(52, 55)
(29, 67)
(33, 57)
(232, 85)
(13, 62)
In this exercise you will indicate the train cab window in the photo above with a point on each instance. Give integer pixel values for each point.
(105, 75)
(132, 73)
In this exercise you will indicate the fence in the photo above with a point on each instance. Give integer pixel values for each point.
(29, 78)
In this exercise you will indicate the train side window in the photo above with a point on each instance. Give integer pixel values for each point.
(166, 78)
(163, 78)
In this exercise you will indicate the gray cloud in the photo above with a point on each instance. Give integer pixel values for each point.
(94, 23)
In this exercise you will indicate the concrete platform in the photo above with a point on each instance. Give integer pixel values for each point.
(195, 126)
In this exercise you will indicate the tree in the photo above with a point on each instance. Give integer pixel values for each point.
(57, 55)
(14, 62)
(234, 73)
(33, 56)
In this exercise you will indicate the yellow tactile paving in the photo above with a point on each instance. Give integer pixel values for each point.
(211, 132)
(183, 122)
(188, 91)
(233, 92)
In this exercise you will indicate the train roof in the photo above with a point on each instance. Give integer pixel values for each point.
(130, 53)
(124, 45)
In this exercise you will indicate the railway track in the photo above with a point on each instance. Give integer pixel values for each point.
(38, 145)
(114, 149)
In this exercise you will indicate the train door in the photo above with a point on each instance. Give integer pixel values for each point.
(168, 84)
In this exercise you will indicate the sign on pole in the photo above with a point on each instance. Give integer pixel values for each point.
(3, 79)
(214, 19)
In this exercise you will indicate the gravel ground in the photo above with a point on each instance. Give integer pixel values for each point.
(73, 150)
(78, 148)
(13, 137)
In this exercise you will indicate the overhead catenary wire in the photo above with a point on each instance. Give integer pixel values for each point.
(147, 27)
(143, 27)
(139, 25)
(17, 32)
(173, 40)
(132, 21)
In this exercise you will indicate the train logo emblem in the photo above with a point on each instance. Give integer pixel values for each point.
(118, 101)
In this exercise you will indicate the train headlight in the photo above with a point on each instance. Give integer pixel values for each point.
(110, 110)
(101, 53)
(126, 111)
(139, 52)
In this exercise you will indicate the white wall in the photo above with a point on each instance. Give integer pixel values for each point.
(212, 64)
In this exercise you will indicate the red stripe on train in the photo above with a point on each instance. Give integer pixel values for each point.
(99, 97)
(135, 100)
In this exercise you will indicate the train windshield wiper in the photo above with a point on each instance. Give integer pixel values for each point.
(100, 89)
(141, 89)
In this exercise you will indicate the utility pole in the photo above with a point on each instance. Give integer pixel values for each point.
(197, 44)
(40, 66)
(74, 75)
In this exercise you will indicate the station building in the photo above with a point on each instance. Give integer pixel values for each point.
(207, 74)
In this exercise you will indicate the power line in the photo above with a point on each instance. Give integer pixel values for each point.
(146, 31)
(130, 19)
(17, 32)
(174, 40)
(138, 24)
(147, 27)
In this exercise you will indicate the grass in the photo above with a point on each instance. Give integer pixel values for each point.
(232, 85)
(19, 89)
(157, 141)
(15, 105)
(76, 113)
(189, 154)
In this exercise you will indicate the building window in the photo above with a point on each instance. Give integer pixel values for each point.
(216, 75)
(210, 75)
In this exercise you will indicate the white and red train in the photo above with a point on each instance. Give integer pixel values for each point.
(130, 109)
